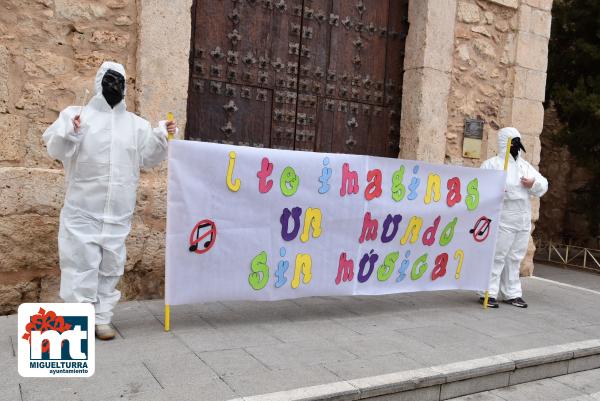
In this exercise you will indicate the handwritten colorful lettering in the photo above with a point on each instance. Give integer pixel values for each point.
(297, 224)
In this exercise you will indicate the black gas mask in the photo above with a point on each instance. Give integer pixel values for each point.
(113, 87)
(515, 146)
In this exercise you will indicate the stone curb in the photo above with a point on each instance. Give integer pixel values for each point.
(456, 379)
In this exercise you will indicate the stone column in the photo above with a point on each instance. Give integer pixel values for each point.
(527, 111)
(427, 75)
(163, 59)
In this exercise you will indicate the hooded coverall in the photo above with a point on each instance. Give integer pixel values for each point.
(515, 218)
(102, 164)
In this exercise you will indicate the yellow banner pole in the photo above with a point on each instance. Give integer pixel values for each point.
(506, 156)
(170, 117)
(167, 317)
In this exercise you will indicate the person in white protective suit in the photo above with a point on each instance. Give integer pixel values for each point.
(102, 151)
(522, 182)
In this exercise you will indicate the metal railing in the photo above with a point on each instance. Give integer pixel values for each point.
(569, 255)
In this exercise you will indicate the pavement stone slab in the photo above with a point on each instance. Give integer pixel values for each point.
(209, 339)
(543, 390)
(279, 380)
(298, 354)
(233, 362)
(213, 390)
(587, 382)
(364, 367)
(474, 385)
(180, 370)
(109, 380)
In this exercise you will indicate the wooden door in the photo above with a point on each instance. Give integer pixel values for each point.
(317, 75)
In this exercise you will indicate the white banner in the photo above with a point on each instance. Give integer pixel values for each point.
(263, 224)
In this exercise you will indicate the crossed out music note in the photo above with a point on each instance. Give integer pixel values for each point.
(202, 230)
(481, 230)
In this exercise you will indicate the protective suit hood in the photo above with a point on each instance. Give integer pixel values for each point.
(510, 133)
(108, 65)
(504, 135)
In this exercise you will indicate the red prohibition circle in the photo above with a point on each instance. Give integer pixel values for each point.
(197, 244)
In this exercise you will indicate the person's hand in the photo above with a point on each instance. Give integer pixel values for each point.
(171, 127)
(76, 124)
(527, 182)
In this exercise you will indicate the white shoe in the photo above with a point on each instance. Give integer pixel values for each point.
(105, 332)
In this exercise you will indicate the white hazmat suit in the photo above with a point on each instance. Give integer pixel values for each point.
(102, 166)
(515, 218)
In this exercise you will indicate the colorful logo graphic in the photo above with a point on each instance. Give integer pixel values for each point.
(202, 230)
(56, 340)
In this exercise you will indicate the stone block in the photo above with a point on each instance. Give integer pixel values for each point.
(509, 51)
(425, 115)
(524, 15)
(539, 356)
(12, 146)
(586, 348)
(4, 62)
(474, 385)
(546, 4)
(541, 4)
(36, 154)
(14, 294)
(506, 3)
(110, 39)
(535, 209)
(77, 11)
(29, 246)
(532, 51)
(50, 287)
(468, 12)
(484, 48)
(543, 371)
(331, 391)
(533, 147)
(21, 192)
(33, 100)
(475, 367)
(541, 21)
(527, 266)
(430, 40)
(394, 383)
(530, 84)
(155, 94)
(584, 363)
(421, 394)
(527, 116)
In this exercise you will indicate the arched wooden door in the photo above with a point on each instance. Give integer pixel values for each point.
(318, 75)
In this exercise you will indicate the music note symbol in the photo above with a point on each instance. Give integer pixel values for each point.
(481, 230)
(196, 238)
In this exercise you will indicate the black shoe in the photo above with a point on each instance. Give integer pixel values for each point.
(518, 302)
(492, 303)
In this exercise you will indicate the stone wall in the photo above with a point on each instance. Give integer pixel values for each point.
(562, 220)
(493, 66)
(463, 58)
(482, 77)
(49, 53)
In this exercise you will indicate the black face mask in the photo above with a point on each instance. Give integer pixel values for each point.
(515, 146)
(113, 87)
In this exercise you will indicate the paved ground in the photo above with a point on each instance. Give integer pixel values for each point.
(229, 349)
(582, 386)
(564, 275)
